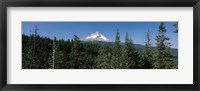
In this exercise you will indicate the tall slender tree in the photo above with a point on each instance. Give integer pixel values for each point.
(134, 57)
(116, 53)
(75, 53)
(147, 56)
(163, 58)
(125, 52)
(53, 57)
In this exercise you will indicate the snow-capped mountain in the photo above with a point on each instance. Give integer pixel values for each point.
(96, 37)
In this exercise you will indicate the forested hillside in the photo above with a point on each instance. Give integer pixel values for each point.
(40, 52)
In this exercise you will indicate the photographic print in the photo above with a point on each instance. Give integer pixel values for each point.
(99, 45)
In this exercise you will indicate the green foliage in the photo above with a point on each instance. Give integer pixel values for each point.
(44, 53)
(134, 57)
(163, 58)
(176, 26)
(28, 58)
(147, 55)
(75, 54)
(104, 58)
(34, 54)
(126, 53)
(90, 52)
(116, 61)
(131, 57)
(60, 61)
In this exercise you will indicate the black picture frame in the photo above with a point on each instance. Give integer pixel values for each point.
(98, 3)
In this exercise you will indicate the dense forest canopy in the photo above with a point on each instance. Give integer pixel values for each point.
(40, 52)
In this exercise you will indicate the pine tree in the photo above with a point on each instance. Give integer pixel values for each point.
(134, 57)
(104, 57)
(67, 48)
(75, 53)
(163, 58)
(59, 60)
(27, 58)
(125, 52)
(27, 53)
(176, 26)
(116, 53)
(147, 56)
(36, 52)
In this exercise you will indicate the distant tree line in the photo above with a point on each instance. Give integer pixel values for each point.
(44, 53)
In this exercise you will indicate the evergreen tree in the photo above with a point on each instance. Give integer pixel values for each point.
(163, 58)
(104, 57)
(176, 26)
(116, 53)
(67, 50)
(147, 57)
(90, 55)
(27, 53)
(126, 52)
(134, 56)
(59, 60)
(131, 57)
(75, 53)
(27, 58)
(42, 53)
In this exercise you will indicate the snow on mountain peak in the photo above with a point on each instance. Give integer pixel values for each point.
(97, 37)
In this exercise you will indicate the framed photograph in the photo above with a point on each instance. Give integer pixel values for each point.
(90, 45)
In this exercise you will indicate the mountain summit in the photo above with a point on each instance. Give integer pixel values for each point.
(96, 37)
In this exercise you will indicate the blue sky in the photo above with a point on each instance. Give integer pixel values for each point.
(136, 30)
